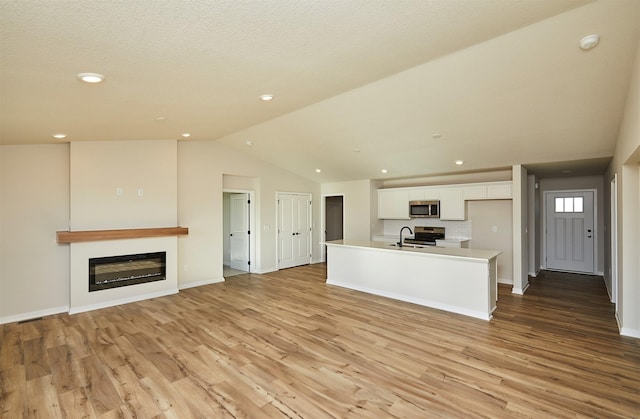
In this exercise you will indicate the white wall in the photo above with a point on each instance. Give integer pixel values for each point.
(532, 193)
(98, 168)
(120, 185)
(484, 216)
(582, 182)
(625, 164)
(520, 238)
(201, 167)
(35, 194)
(34, 269)
(356, 207)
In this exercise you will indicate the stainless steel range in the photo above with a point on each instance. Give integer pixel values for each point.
(426, 236)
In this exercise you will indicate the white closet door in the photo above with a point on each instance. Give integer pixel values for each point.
(294, 230)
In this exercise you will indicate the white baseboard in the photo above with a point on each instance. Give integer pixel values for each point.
(520, 291)
(626, 331)
(507, 281)
(266, 271)
(33, 314)
(200, 283)
(633, 333)
(112, 303)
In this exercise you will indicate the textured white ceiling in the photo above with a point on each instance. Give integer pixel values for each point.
(500, 79)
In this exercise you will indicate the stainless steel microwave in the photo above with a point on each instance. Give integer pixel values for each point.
(424, 209)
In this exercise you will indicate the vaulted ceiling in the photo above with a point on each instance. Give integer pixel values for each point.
(408, 86)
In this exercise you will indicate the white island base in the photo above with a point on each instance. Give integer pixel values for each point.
(462, 281)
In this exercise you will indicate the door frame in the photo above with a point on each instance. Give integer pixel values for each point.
(277, 235)
(252, 225)
(323, 212)
(613, 229)
(596, 234)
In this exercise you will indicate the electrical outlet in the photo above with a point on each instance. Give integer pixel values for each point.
(119, 191)
(494, 229)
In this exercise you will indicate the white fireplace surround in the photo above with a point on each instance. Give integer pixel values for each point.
(82, 300)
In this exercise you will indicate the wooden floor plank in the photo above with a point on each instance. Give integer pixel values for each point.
(11, 350)
(36, 360)
(285, 344)
(42, 398)
(13, 392)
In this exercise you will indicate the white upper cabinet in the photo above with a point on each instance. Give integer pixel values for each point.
(499, 191)
(416, 194)
(452, 204)
(393, 204)
(475, 192)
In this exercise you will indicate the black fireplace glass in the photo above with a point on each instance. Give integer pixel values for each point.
(119, 271)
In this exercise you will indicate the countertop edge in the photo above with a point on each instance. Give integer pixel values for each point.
(443, 252)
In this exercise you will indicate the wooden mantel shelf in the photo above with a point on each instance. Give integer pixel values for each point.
(132, 233)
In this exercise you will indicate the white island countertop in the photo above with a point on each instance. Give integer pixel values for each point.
(458, 280)
(481, 255)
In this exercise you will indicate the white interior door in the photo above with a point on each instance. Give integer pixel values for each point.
(239, 231)
(294, 230)
(570, 232)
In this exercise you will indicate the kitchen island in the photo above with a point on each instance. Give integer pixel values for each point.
(458, 280)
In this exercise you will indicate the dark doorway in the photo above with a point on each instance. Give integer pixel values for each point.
(333, 218)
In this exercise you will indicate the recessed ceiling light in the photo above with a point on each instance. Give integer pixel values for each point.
(318, 170)
(249, 143)
(437, 135)
(160, 118)
(266, 97)
(589, 41)
(91, 77)
(356, 150)
(459, 162)
(384, 170)
(186, 135)
(60, 136)
(567, 171)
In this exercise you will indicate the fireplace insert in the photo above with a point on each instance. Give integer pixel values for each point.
(119, 271)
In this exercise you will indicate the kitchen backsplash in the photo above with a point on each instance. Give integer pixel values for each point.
(453, 229)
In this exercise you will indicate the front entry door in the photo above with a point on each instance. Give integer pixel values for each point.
(239, 231)
(570, 233)
(294, 230)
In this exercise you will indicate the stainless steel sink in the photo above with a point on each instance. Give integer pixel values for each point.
(412, 246)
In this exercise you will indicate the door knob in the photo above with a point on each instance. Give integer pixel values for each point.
(588, 237)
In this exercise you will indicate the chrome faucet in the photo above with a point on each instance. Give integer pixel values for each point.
(401, 230)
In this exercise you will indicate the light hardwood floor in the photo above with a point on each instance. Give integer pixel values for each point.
(287, 345)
